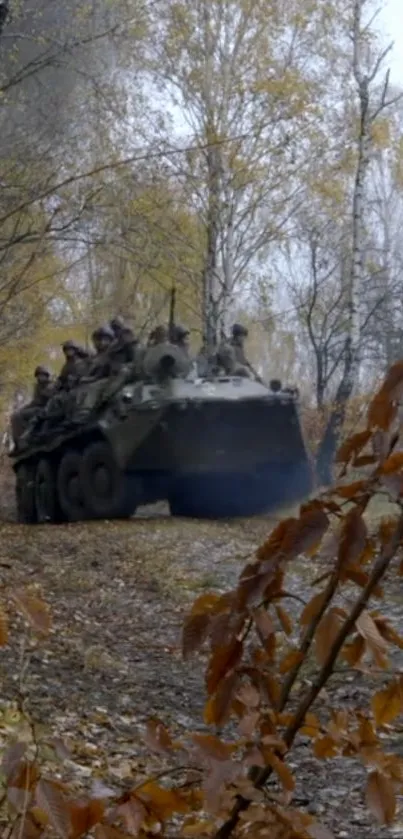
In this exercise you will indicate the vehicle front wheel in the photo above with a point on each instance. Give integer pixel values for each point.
(70, 489)
(105, 486)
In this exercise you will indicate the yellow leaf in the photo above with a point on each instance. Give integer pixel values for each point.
(326, 634)
(312, 609)
(34, 609)
(284, 619)
(3, 627)
(380, 797)
(324, 747)
(290, 660)
(387, 704)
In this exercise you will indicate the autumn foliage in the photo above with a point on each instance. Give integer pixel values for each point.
(235, 779)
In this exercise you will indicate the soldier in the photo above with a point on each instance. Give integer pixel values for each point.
(181, 339)
(43, 387)
(123, 349)
(69, 373)
(238, 335)
(117, 326)
(23, 420)
(102, 339)
(159, 335)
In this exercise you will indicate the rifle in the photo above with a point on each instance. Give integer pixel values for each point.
(171, 325)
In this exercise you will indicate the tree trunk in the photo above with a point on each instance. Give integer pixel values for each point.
(329, 442)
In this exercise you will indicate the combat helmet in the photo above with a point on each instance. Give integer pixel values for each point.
(239, 331)
(104, 331)
(69, 345)
(117, 324)
(40, 370)
(180, 332)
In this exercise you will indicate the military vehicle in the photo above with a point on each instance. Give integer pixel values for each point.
(213, 447)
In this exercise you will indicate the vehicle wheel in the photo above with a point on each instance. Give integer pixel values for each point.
(25, 495)
(46, 496)
(69, 487)
(105, 486)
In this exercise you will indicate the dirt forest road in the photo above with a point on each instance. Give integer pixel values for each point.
(118, 593)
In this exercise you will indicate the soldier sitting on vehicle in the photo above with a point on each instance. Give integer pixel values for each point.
(100, 366)
(180, 338)
(231, 354)
(25, 419)
(70, 371)
(159, 335)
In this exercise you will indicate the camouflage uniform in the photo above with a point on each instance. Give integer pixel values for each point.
(231, 354)
(180, 338)
(69, 373)
(101, 366)
(159, 335)
(24, 420)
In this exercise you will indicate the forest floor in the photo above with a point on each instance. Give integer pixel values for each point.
(118, 593)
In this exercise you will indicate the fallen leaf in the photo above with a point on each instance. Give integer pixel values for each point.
(380, 797)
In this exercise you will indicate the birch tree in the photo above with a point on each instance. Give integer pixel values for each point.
(373, 98)
(241, 77)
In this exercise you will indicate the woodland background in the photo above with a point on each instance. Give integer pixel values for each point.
(250, 151)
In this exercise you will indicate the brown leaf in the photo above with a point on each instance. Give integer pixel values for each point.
(306, 533)
(290, 660)
(366, 733)
(12, 759)
(326, 634)
(393, 382)
(212, 747)
(26, 775)
(25, 827)
(194, 633)
(387, 704)
(133, 813)
(273, 691)
(249, 696)
(223, 660)
(367, 628)
(352, 446)
(205, 604)
(34, 609)
(353, 538)
(382, 410)
(84, 816)
(218, 707)
(248, 723)
(264, 623)
(394, 463)
(273, 544)
(386, 530)
(51, 800)
(157, 736)
(311, 726)
(313, 608)
(364, 460)
(163, 802)
(284, 619)
(380, 797)
(324, 747)
(281, 769)
(350, 491)
(3, 627)
(352, 653)
(388, 633)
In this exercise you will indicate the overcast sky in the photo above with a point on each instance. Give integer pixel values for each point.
(392, 18)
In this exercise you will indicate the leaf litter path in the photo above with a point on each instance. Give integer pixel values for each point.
(118, 593)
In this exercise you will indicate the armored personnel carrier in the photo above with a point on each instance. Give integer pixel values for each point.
(218, 446)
